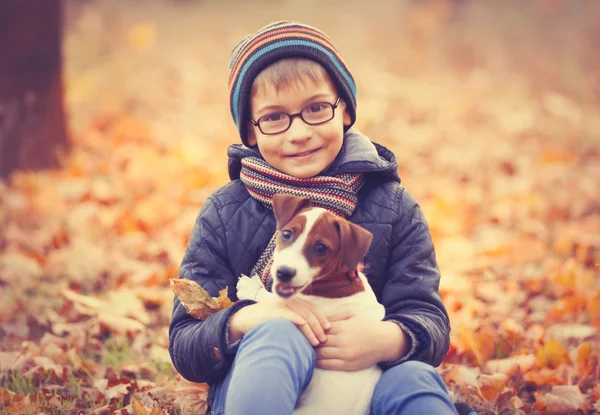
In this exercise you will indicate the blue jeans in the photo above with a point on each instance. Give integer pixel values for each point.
(275, 362)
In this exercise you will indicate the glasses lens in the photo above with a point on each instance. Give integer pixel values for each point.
(274, 123)
(318, 113)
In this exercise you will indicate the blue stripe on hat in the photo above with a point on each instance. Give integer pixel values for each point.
(280, 44)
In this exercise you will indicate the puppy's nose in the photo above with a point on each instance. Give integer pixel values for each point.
(285, 274)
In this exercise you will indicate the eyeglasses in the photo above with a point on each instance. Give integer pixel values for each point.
(314, 114)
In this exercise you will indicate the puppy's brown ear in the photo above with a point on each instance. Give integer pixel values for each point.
(286, 207)
(354, 243)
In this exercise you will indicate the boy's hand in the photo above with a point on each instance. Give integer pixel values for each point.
(355, 342)
(302, 313)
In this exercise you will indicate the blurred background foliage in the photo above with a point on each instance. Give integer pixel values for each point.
(492, 108)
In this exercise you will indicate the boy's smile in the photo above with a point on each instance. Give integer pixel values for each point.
(303, 150)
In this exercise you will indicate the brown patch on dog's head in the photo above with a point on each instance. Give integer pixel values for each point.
(293, 228)
(285, 207)
(335, 245)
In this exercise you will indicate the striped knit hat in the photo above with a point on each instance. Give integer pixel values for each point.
(277, 41)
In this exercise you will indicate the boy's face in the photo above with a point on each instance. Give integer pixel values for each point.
(303, 150)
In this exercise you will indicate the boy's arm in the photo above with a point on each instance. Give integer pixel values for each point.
(199, 348)
(411, 294)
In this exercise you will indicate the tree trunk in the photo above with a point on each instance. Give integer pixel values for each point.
(32, 118)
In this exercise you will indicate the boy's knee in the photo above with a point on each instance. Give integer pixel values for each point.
(409, 386)
(276, 326)
(283, 333)
(277, 323)
(415, 372)
(280, 340)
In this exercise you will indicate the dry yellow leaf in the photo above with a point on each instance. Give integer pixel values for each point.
(584, 354)
(138, 408)
(492, 385)
(223, 299)
(156, 411)
(552, 354)
(196, 300)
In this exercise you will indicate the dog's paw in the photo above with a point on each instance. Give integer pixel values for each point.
(252, 289)
(248, 287)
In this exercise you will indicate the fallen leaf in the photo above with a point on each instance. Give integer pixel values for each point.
(8, 398)
(223, 299)
(120, 324)
(12, 360)
(552, 354)
(564, 332)
(47, 365)
(138, 408)
(492, 385)
(511, 365)
(192, 395)
(196, 300)
(564, 399)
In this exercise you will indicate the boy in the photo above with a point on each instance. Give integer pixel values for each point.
(293, 101)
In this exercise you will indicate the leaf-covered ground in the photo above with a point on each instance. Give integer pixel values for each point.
(493, 112)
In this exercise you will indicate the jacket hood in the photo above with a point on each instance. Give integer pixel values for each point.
(357, 155)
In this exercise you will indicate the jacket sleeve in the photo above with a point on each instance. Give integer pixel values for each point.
(199, 348)
(411, 294)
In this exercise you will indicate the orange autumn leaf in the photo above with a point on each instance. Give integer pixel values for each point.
(593, 307)
(223, 299)
(156, 411)
(484, 344)
(565, 306)
(543, 377)
(196, 300)
(552, 354)
(595, 393)
(492, 385)
(8, 398)
(584, 356)
(511, 365)
(138, 408)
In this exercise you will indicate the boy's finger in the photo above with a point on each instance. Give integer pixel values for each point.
(315, 325)
(295, 318)
(308, 333)
(317, 313)
(312, 321)
(323, 321)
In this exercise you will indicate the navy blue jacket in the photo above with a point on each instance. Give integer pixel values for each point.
(233, 229)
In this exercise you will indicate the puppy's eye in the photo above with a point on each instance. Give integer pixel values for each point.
(321, 248)
(286, 234)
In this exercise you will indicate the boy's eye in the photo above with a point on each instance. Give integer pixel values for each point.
(286, 234)
(321, 248)
(316, 108)
(275, 117)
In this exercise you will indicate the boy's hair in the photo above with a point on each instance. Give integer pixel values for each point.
(281, 40)
(289, 73)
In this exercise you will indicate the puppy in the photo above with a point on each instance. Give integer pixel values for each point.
(316, 258)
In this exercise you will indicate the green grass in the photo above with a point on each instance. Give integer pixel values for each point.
(17, 383)
(117, 352)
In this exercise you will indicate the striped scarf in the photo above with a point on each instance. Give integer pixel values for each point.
(336, 194)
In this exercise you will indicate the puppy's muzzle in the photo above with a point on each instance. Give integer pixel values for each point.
(285, 274)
